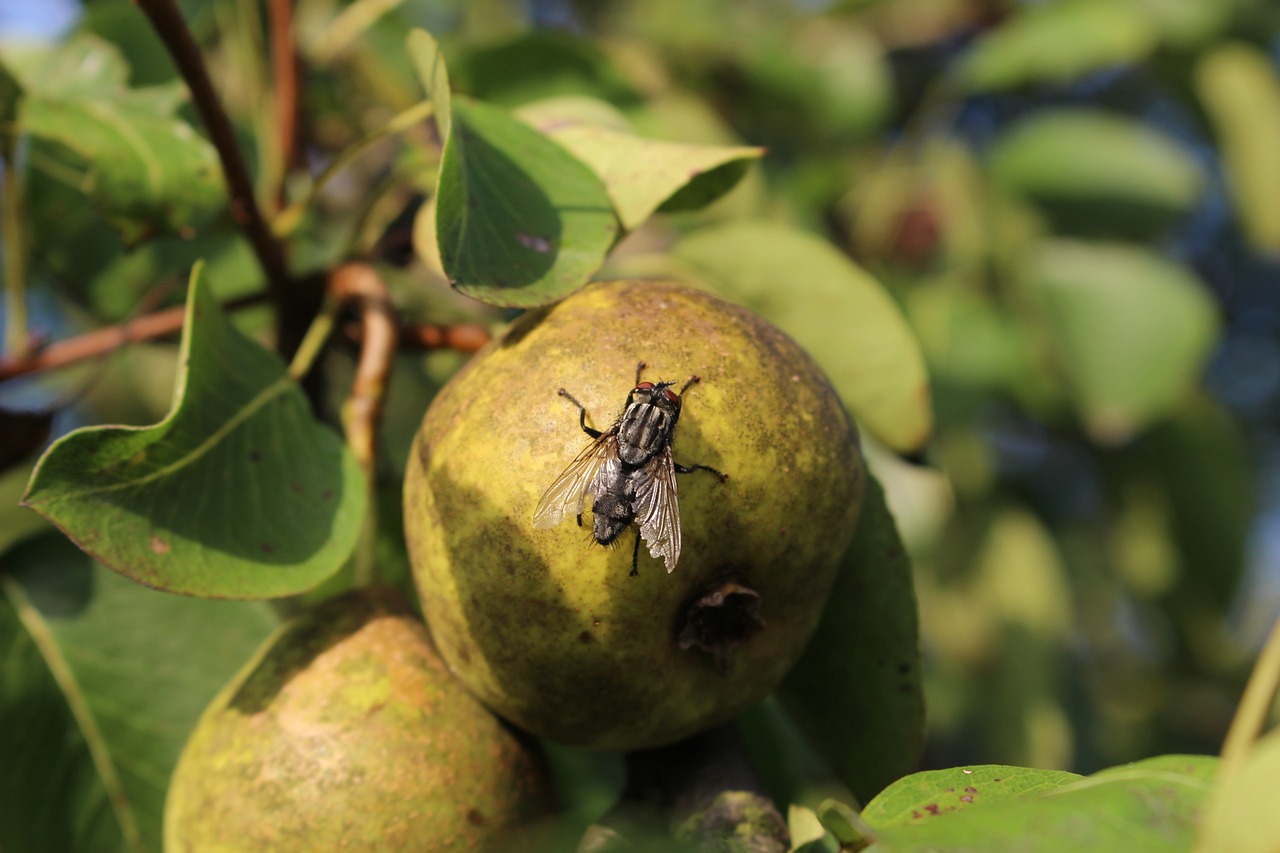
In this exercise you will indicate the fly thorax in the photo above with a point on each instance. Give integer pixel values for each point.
(643, 431)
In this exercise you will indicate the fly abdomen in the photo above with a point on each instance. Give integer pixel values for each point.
(611, 515)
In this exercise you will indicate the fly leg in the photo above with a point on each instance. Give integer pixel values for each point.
(582, 421)
(689, 469)
(635, 556)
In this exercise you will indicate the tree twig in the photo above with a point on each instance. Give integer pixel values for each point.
(12, 219)
(360, 285)
(168, 23)
(462, 337)
(159, 324)
(284, 73)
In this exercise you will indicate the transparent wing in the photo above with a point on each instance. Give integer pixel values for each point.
(569, 492)
(658, 509)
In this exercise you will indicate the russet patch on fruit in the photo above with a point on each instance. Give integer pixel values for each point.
(346, 731)
(549, 629)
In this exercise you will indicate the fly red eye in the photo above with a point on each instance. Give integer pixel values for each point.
(645, 386)
(671, 395)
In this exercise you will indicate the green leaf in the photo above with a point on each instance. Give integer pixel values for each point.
(1056, 43)
(16, 522)
(519, 221)
(428, 63)
(146, 168)
(643, 175)
(1130, 328)
(10, 97)
(1238, 88)
(1148, 806)
(1095, 172)
(835, 310)
(540, 64)
(933, 793)
(803, 826)
(237, 493)
(1241, 816)
(857, 691)
(100, 682)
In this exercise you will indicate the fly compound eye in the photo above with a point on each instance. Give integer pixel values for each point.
(671, 395)
(645, 386)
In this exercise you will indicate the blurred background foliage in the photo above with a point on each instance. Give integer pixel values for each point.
(1076, 203)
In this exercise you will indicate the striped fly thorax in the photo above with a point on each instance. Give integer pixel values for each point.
(645, 428)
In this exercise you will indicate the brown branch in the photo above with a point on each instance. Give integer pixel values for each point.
(284, 72)
(360, 285)
(463, 337)
(102, 341)
(168, 23)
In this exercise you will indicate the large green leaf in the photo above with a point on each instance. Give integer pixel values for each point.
(1131, 329)
(643, 175)
(519, 221)
(1239, 89)
(237, 493)
(1058, 42)
(1149, 806)
(145, 167)
(857, 689)
(835, 310)
(100, 682)
(1096, 172)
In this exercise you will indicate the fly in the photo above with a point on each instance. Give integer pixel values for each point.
(629, 471)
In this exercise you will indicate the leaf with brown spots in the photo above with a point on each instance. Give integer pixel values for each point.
(1150, 805)
(238, 493)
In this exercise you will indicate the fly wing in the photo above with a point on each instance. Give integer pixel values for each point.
(569, 492)
(658, 509)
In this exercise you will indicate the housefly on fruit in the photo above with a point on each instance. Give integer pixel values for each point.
(630, 473)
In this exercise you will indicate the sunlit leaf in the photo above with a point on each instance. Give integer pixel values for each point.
(1240, 90)
(932, 794)
(100, 683)
(643, 175)
(1148, 806)
(1096, 172)
(1131, 329)
(145, 167)
(237, 493)
(428, 63)
(1056, 43)
(856, 691)
(835, 310)
(1241, 816)
(519, 221)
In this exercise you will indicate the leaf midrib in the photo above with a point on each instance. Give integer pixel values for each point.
(265, 396)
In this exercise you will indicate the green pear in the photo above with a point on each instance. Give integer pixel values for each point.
(346, 732)
(550, 629)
